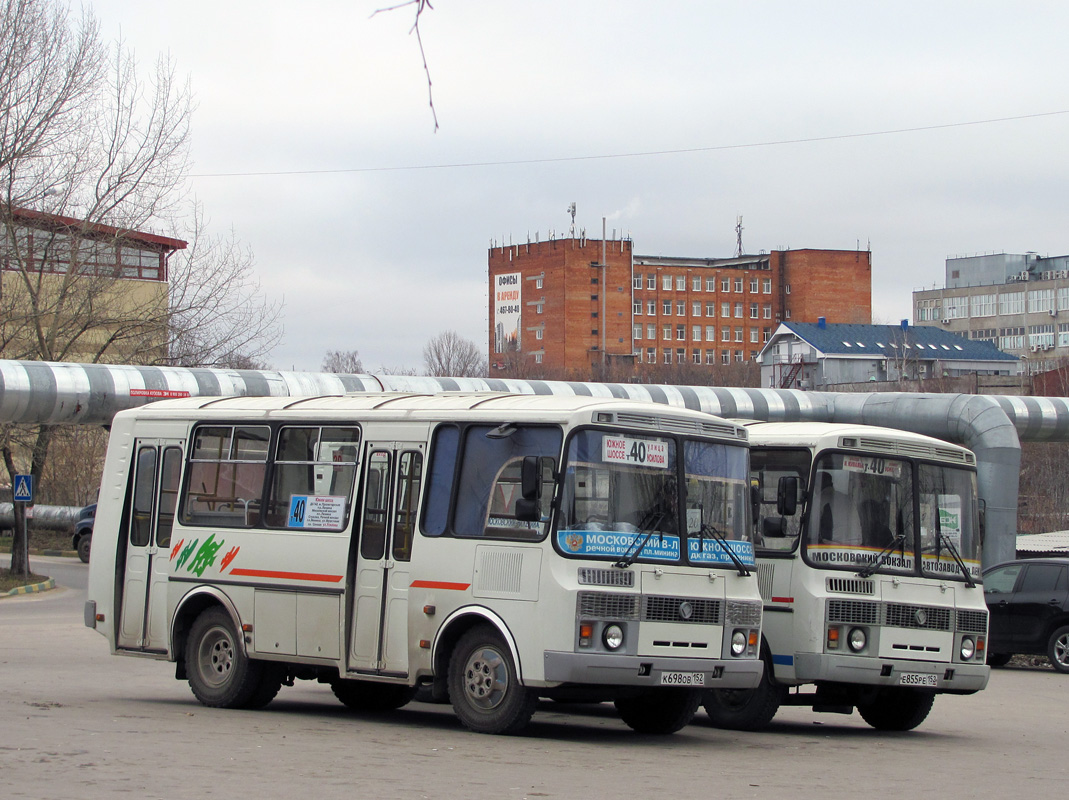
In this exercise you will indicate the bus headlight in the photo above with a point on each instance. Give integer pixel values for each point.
(857, 639)
(613, 637)
(738, 643)
(968, 648)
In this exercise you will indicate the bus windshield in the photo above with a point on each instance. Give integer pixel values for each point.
(949, 521)
(860, 507)
(655, 498)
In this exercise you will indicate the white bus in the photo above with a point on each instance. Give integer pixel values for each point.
(490, 547)
(868, 551)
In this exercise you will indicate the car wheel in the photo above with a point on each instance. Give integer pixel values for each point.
(1058, 649)
(85, 541)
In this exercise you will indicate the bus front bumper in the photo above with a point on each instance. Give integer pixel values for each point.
(937, 675)
(606, 669)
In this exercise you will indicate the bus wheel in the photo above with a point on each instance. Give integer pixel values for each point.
(896, 709)
(660, 711)
(220, 674)
(744, 709)
(484, 687)
(371, 696)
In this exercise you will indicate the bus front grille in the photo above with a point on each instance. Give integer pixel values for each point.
(900, 615)
(682, 609)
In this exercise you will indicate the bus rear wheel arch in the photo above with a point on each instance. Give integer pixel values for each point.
(220, 673)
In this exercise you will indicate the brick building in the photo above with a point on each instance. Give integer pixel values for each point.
(566, 305)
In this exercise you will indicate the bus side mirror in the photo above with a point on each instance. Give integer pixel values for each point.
(529, 506)
(787, 496)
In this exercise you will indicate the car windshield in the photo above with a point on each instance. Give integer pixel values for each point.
(949, 521)
(632, 497)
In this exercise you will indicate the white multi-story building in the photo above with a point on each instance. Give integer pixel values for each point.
(1018, 302)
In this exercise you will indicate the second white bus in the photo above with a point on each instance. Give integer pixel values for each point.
(494, 548)
(868, 550)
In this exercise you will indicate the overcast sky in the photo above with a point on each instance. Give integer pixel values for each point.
(377, 241)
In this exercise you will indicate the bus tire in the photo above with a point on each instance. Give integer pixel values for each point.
(661, 711)
(371, 696)
(220, 674)
(484, 687)
(897, 709)
(744, 709)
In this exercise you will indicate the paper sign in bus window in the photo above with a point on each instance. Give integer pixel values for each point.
(640, 452)
(323, 512)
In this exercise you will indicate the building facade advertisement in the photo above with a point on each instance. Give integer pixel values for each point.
(507, 303)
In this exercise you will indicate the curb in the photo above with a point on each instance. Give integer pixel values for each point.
(32, 588)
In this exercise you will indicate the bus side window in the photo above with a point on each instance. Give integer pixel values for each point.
(443, 466)
(376, 506)
(409, 480)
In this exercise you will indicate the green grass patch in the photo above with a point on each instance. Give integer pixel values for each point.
(9, 581)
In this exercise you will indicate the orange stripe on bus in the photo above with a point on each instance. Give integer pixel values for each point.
(459, 587)
(295, 576)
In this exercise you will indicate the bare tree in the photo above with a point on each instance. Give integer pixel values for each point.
(451, 355)
(90, 151)
(346, 362)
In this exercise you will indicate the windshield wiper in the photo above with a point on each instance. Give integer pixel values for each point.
(954, 554)
(653, 522)
(719, 537)
(868, 571)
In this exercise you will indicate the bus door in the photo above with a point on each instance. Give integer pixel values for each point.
(149, 519)
(393, 474)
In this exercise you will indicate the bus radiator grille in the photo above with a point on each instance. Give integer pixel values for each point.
(972, 621)
(858, 612)
(682, 609)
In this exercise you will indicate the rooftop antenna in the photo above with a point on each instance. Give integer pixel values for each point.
(571, 210)
(738, 236)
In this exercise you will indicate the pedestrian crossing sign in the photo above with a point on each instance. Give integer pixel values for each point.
(23, 489)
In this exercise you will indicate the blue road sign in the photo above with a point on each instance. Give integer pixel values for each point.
(24, 488)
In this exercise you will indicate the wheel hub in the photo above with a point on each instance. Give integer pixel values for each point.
(485, 679)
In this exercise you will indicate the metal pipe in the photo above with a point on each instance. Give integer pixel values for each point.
(62, 393)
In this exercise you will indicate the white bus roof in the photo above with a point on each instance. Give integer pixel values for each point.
(437, 407)
(891, 441)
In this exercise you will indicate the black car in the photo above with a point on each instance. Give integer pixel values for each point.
(83, 531)
(1029, 604)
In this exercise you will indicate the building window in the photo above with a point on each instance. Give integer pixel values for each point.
(696, 356)
(681, 356)
(710, 333)
(696, 309)
(738, 310)
(538, 308)
(1011, 303)
(696, 333)
(681, 308)
(667, 306)
(667, 356)
(753, 355)
(538, 358)
(636, 308)
(753, 285)
(766, 286)
(710, 284)
(681, 283)
(696, 283)
(983, 305)
(539, 332)
(651, 281)
(681, 332)
(1041, 301)
(637, 332)
(651, 308)
(666, 333)
(651, 355)
(787, 314)
(766, 334)
(725, 334)
(955, 307)
(738, 334)
(738, 285)
(725, 309)
(725, 285)
(651, 331)
(787, 289)
(767, 310)
(725, 356)
(753, 311)
(710, 309)
(666, 283)
(538, 283)
(710, 356)
(753, 335)
(738, 356)
(636, 281)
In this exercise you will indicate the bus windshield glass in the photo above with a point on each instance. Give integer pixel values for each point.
(949, 522)
(861, 513)
(655, 498)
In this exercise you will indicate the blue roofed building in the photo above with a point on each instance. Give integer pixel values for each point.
(812, 355)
